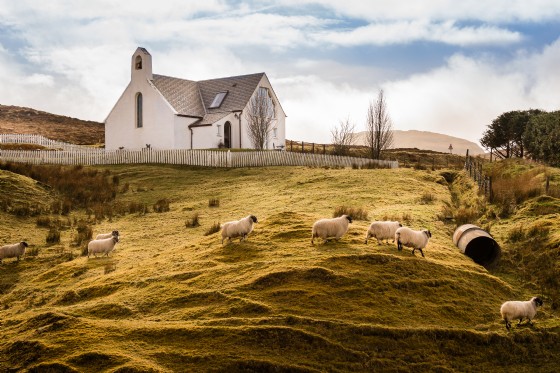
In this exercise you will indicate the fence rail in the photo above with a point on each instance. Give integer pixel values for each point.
(206, 158)
(81, 155)
(474, 169)
(38, 140)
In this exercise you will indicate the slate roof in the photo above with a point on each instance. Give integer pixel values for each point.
(192, 98)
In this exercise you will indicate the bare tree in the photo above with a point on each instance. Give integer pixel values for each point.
(260, 116)
(379, 127)
(343, 136)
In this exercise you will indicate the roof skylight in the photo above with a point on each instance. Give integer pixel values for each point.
(218, 100)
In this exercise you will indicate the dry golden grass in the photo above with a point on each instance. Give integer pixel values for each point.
(171, 298)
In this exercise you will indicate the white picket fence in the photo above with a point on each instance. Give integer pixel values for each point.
(38, 140)
(79, 155)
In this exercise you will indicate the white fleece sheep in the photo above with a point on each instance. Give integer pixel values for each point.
(382, 230)
(327, 228)
(515, 309)
(418, 240)
(101, 236)
(238, 228)
(13, 251)
(103, 246)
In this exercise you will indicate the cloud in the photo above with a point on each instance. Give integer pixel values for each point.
(404, 32)
(464, 96)
(314, 106)
(502, 11)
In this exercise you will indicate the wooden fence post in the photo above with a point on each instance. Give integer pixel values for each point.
(302, 147)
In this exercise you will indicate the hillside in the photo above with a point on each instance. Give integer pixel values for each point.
(21, 120)
(171, 298)
(426, 140)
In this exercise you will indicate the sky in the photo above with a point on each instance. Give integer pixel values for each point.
(444, 66)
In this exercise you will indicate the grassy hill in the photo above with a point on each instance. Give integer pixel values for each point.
(22, 120)
(171, 298)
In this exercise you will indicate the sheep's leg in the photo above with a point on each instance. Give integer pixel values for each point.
(519, 323)
(421, 252)
(399, 245)
(367, 236)
(508, 324)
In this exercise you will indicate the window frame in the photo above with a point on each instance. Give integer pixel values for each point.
(218, 100)
(139, 110)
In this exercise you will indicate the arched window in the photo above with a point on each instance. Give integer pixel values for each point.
(138, 63)
(139, 110)
(227, 135)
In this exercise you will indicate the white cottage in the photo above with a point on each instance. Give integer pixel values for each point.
(171, 113)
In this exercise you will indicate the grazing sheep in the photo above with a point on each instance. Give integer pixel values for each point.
(13, 251)
(418, 240)
(101, 236)
(382, 230)
(326, 228)
(238, 228)
(103, 246)
(515, 309)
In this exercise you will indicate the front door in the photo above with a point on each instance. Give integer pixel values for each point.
(227, 135)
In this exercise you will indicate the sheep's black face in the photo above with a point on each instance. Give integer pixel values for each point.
(254, 219)
(538, 301)
(115, 233)
(400, 225)
(24, 244)
(349, 218)
(428, 233)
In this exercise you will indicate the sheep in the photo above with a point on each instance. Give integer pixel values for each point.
(105, 245)
(418, 240)
(335, 227)
(13, 251)
(101, 236)
(238, 228)
(382, 230)
(515, 309)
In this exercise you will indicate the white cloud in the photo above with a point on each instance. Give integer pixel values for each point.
(438, 10)
(314, 106)
(403, 32)
(463, 97)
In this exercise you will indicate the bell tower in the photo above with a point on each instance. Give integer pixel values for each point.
(141, 64)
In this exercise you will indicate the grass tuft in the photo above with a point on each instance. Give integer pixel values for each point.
(193, 221)
(213, 229)
(357, 213)
(161, 205)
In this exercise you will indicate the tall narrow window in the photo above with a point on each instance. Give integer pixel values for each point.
(139, 110)
(227, 135)
(138, 63)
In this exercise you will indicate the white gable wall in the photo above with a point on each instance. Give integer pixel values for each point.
(279, 123)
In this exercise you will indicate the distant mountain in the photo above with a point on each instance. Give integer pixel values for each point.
(22, 120)
(426, 140)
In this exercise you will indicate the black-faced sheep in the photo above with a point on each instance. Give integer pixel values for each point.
(382, 230)
(515, 309)
(418, 240)
(13, 251)
(330, 228)
(238, 228)
(107, 235)
(103, 246)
